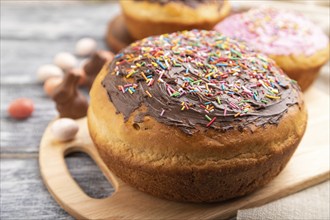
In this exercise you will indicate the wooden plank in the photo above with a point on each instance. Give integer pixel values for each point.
(24, 196)
(24, 135)
(47, 28)
(23, 58)
(55, 20)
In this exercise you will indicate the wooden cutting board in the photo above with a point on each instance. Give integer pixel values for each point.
(308, 166)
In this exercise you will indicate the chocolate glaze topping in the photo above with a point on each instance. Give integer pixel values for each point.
(195, 79)
(190, 3)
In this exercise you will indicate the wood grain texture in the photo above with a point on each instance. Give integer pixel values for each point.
(56, 20)
(24, 135)
(24, 196)
(308, 166)
(47, 28)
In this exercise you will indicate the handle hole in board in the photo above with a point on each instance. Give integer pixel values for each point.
(88, 175)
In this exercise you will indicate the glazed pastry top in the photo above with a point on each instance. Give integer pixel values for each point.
(199, 80)
(275, 32)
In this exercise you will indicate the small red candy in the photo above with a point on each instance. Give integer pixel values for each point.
(21, 108)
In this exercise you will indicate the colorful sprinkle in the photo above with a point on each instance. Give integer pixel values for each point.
(162, 113)
(149, 94)
(211, 122)
(208, 117)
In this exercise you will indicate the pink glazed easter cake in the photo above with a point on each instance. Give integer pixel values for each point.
(297, 45)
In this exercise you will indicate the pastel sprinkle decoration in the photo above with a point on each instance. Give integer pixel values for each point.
(275, 31)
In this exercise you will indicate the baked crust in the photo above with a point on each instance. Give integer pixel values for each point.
(207, 166)
(144, 19)
(304, 69)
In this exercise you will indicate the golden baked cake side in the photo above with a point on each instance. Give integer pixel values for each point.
(148, 18)
(304, 69)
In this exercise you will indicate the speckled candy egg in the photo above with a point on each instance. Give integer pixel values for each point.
(85, 46)
(65, 60)
(47, 71)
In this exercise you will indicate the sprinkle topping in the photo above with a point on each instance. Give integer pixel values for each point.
(196, 79)
(276, 32)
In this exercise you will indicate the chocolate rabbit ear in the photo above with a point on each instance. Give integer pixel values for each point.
(95, 64)
(66, 89)
(71, 79)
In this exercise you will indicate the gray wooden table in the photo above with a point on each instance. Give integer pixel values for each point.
(31, 34)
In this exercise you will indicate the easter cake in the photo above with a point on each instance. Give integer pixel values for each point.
(195, 116)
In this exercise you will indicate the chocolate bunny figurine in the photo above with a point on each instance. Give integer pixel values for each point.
(95, 64)
(70, 102)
